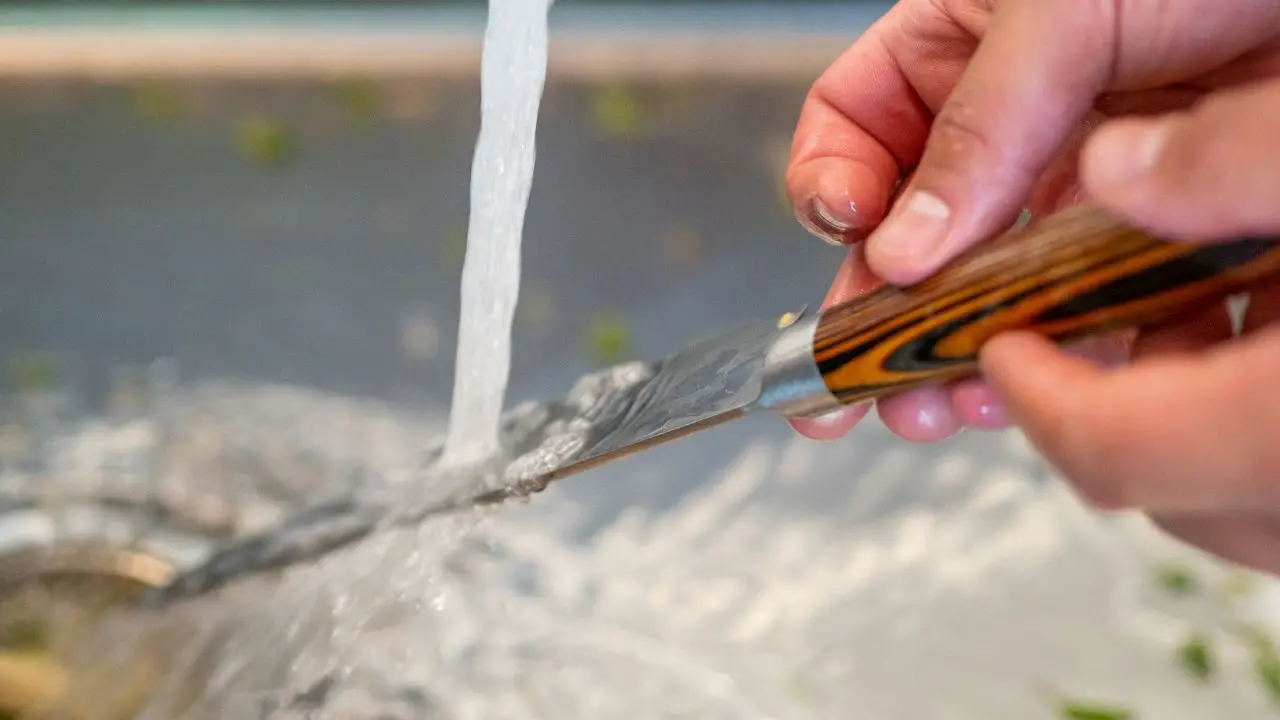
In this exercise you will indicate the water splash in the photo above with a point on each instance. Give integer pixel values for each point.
(776, 589)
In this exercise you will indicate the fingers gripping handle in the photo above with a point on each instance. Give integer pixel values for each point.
(1075, 274)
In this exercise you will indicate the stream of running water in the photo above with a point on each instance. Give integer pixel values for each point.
(513, 73)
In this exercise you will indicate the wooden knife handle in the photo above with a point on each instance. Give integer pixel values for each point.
(1071, 275)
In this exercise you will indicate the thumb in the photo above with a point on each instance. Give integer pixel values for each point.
(1207, 173)
(1027, 88)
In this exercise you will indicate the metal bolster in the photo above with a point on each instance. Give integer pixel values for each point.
(792, 384)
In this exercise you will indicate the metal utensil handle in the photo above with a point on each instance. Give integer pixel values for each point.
(1075, 274)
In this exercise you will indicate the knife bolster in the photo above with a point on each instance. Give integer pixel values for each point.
(792, 384)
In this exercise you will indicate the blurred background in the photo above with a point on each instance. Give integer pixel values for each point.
(247, 221)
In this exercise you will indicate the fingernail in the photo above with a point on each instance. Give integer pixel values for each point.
(915, 230)
(822, 223)
(1124, 153)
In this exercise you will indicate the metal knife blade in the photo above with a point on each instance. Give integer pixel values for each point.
(1076, 274)
(702, 386)
(764, 364)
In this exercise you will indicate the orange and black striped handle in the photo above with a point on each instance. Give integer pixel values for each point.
(1078, 273)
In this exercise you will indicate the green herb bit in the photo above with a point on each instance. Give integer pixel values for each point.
(361, 99)
(1268, 671)
(616, 112)
(33, 372)
(1266, 663)
(1258, 640)
(266, 141)
(158, 102)
(1087, 710)
(1238, 585)
(1177, 579)
(608, 339)
(453, 245)
(1196, 657)
(27, 635)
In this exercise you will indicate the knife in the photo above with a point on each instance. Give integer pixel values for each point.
(1079, 273)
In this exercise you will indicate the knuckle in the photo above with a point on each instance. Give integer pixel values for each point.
(958, 137)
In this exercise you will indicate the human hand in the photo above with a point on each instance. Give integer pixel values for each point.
(989, 103)
(1188, 432)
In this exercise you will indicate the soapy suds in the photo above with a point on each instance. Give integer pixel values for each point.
(513, 73)
(983, 595)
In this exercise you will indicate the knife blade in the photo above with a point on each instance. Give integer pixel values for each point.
(1079, 273)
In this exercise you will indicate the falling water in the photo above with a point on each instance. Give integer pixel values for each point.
(513, 72)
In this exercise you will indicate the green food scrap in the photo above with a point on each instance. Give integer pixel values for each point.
(361, 99)
(265, 141)
(608, 339)
(1089, 710)
(1238, 585)
(1266, 662)
(1196, 657)
(26, 635)
(453, 245)
(33, 372)
(1177, 579)
(1268, 671)
(158, 102)
(617, 112)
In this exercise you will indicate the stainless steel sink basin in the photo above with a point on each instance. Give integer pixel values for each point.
(229, 254)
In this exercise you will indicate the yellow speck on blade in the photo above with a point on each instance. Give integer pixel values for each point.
(786, 320)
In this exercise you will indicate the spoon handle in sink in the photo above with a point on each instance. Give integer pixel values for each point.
(1075, 274)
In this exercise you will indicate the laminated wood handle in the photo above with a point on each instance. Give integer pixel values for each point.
(1071, 275)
